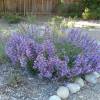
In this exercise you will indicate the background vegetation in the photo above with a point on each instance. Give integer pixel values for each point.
(86, 9)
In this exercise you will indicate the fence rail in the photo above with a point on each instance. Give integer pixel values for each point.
(28, 6)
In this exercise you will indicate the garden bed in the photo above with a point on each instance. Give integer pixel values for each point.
(42, 58)
(33, 88)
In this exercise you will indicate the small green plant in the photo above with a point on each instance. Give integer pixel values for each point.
(68, 49)
(2, 53)
(61, 22)
(12, 19)
(91, 9)
(58, 24)
(31, 18)
(15, 79)
(2, 50)
(91, 14)
(87, 14)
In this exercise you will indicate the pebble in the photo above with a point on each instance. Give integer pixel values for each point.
(63, 92)
(79, 81)
(54, 97)
(73, 87)
(96, 74)
(91, 78)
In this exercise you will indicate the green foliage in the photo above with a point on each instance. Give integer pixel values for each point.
(12, 19)
(31, 19)
(62, 22)
(87, 14)
(68, 49)
(91, 3)
(91, 14)
(3, 57)
(91, 9)
(15, 79)
(58, 24)
(2, 52)
(30, 68)
(3, 40)
(69, 10)
(87, 9)
(62, 1)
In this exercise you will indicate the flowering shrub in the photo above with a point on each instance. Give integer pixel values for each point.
(67, 57)
(48, 63)
(20, 48)
(89, 60)
(52, 67)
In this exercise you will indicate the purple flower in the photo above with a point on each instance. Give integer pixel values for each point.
(19, 47)
(49, 48)
(43, 67)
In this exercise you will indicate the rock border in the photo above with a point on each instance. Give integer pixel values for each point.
(63, 92)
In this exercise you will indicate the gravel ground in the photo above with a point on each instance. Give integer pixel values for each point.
(92, 28)
(30, 88)
(33, 88)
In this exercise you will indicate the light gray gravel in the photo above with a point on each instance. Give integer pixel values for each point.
(92, 29)
(88, 93)
(33, 88)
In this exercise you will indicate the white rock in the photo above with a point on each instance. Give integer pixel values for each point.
(73, 87)
(54, 97)
(91, 78)
(96, 74)
(63, 92)
(79, 81)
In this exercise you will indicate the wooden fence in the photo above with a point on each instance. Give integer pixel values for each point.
(28, 6)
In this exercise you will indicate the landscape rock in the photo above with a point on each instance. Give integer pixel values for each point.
(91, 78)
(79, 81)
(73, 87)
(54, 97)
(63, 92)
(96, 74)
